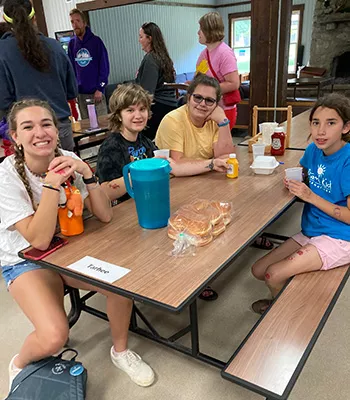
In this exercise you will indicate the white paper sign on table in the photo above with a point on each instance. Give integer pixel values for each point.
(99, 269)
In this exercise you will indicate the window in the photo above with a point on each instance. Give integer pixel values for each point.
(240, 38)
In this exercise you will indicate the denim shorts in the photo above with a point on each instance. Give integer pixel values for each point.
(11, 272)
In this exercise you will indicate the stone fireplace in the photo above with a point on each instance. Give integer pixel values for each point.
(330, 45)
(341, 68)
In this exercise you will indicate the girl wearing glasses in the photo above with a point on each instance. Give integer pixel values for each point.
(198, 131)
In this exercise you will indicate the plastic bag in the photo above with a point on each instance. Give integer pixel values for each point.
(201, 219)
(187, 220)
(184, 246)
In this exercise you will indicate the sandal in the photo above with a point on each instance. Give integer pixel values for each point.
(208, 294)
(263, 243)
(261, 306)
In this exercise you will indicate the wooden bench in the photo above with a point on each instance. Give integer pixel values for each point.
(271, 357)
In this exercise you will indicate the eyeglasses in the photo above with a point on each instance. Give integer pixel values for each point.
(209, 101)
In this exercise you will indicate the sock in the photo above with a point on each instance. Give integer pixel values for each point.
(120, 353)
(14, 368)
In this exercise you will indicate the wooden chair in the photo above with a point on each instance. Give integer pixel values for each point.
(244, 77)
(257, 135)
(177, 87)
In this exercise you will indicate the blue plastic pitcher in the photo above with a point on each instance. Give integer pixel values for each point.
(150, 189)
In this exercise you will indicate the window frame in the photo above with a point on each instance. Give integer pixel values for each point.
(246, 14)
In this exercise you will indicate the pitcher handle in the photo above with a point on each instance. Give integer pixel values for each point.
(168, 168)
(127, 180)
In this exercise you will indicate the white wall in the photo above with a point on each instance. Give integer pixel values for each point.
(57, 15)
(118, 27)
(57, 19)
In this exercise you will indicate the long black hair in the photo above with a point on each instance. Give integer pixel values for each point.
(159, 50)
(3, 28)
(31, 47)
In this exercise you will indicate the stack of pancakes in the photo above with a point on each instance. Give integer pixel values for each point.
(201, 219)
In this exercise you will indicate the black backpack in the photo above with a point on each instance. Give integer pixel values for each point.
(52, 378)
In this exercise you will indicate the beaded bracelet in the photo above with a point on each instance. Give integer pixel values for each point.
(47, 186)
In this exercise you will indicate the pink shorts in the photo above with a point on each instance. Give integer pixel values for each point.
(333, 252)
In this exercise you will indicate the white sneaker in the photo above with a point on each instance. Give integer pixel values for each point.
(131, 363)
(13, 371)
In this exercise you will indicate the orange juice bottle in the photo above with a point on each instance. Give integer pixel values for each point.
(233, 166)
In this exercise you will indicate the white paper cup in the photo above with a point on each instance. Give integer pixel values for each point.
(258, 150)
(162, 153)
(294, 173)
(267, 129)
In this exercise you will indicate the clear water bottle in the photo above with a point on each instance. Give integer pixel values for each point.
(92, 113)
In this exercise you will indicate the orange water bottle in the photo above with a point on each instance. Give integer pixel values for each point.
(233, 166)
(70, 215)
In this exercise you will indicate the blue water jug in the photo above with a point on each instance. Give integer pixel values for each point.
(150, 189)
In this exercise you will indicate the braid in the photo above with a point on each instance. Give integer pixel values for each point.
(57, 152)
(19, 165)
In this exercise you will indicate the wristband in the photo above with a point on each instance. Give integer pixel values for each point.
(47, 186)
(211, 165)
(225, 122)
(93, 179)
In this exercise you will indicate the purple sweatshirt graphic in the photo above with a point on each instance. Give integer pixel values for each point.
(89, 58)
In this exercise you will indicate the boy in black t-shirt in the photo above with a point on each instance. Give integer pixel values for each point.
(131, 109)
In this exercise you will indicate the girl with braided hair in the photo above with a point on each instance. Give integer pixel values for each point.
(30, 192)
(32, 65)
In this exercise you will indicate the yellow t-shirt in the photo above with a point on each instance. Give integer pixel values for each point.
(177, 132)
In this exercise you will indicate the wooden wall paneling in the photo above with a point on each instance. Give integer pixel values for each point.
(282, 67)
(264, 47)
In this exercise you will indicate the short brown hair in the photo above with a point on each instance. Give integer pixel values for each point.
(212, 26)
(124, 96)
(202, 79)
(77, 11)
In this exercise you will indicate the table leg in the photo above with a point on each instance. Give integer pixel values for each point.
(194, 329)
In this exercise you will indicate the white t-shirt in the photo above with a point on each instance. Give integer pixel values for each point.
(15, 205)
